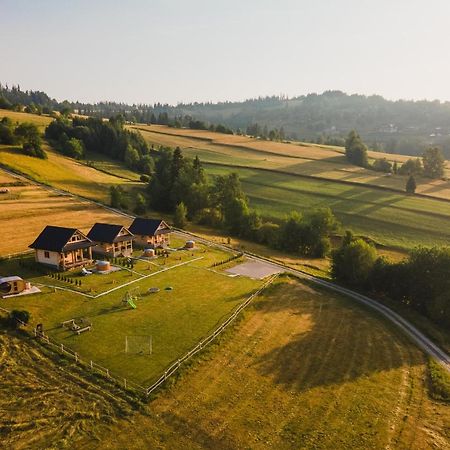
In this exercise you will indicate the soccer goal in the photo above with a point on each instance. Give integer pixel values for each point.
(138, 345)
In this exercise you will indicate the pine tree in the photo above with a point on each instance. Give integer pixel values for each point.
(411, 185)
(180, 217)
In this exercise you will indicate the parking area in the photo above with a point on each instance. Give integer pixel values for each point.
(254, 269)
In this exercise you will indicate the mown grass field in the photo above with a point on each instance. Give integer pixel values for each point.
(388, 218)
(28, 208)
(64, 173)
(303, 369)
(176, 320)
(48, 404)
(323, 162)
(91, 181)
(274, 180)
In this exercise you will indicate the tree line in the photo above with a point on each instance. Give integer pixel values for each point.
(420, 282)
(180, 186)
(74, 137)
(430, 165)
(402, 127)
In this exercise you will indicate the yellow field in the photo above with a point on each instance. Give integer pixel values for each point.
(40, 121)
(63, 173)
(26, 210)
(295, 158)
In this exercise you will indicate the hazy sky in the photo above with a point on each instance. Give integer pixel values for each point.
(200, 50)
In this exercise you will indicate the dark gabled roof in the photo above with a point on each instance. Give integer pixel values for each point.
(105, 232)
(56, 239)
(147, 227)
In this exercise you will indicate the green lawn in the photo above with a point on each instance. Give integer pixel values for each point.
(176, 320)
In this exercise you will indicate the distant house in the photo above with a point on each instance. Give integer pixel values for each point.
(111, 240)
(150, 232)
(62, 248)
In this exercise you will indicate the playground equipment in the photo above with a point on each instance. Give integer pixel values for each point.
(130, 298)
(139, 344)
(78, 326)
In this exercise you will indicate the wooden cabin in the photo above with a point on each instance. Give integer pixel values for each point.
(62, 248)
(151, 233)
(111, 240)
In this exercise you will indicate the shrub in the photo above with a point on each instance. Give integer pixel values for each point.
(439, 381)
(19, 317)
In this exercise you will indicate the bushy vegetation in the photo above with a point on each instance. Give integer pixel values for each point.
(19, 317)
(419, 282)
(356, 150)
(27, 134)
(439, 381)
(73, 137)
(179, 186)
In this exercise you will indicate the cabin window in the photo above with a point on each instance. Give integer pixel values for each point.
(47, 255)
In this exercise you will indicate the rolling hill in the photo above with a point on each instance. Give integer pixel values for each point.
(280, 177)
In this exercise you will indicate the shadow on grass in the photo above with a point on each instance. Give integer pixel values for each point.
(344, 342)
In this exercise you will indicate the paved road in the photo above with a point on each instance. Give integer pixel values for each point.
(410, 330)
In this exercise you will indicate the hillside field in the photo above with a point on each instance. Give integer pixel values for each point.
(28, 208)
(273, 177)
(303, 369)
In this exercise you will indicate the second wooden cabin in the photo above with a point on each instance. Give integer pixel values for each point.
(111, 240)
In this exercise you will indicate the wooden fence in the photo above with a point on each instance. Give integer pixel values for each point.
(170, 371)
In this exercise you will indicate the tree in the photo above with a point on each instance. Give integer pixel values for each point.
(73, 147)
(180, 217)
(356, 150)
(19, 317)
(131, 157)
(33, 148)
(177, 164)
(118, 199)
(268, 234)
(382, 165)
(236, 214)
(353, 262)
(290, 235)
(27, 132)
(141, 205)
(433, 163)
(395, 168)
(411, 185)
(411, 167)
